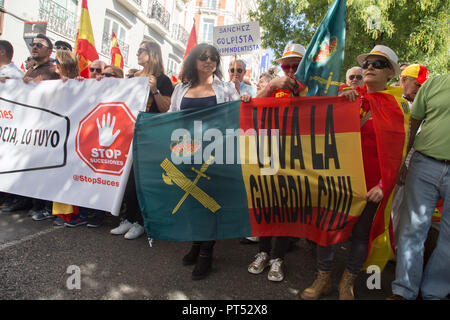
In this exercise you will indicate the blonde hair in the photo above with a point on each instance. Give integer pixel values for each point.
(155, 65)
(68, 63)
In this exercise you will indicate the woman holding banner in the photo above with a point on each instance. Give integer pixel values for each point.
(382, 123)
(201, 86)
(150, 58)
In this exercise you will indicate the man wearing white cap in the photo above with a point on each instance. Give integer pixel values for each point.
(382, 122)
(284, 86)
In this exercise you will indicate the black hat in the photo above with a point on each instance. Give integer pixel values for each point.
(63, 43)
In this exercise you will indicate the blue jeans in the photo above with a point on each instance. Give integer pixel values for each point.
(427, 181)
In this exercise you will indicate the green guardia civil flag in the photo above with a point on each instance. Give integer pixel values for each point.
(270, 167)
(321, 67)
(183, 196)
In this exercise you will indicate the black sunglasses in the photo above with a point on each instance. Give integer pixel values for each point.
(37, 44)
(98, 70)
(140, 50)
(239, 70)
(377, 64)
(204, 57)
(62, 48)
(357, 76)
(108, 75)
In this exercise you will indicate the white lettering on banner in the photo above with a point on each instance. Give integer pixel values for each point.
(237, 39)
(67, 142)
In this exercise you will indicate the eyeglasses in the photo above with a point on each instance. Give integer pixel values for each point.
(204, 57)
(377, 64)
(238, 70)
(62, 48)
(357, 76)
(98, 70)
(108, 75)
(140, 50)
(293, 66)
(38, 45)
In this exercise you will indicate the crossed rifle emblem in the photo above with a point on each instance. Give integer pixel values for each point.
(173, 175)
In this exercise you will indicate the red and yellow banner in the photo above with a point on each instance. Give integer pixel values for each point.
(84, 44)
(302, 167)
(116, 55)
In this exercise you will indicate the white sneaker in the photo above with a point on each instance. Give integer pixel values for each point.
(276, 270)
(123, 228)
(135, 232)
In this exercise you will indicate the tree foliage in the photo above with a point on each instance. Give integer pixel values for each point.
(418, 31)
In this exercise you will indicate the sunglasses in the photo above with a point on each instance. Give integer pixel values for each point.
(108, 75)
(140, 50)
(98, 70)
(57, 61)
(204, 57)
(62, 48)
(289, 66)
(38, 45)
(377, 64)
(238, 70)
(357, 76)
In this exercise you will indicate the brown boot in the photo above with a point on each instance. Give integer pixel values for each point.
(346, 286)
(320, 287)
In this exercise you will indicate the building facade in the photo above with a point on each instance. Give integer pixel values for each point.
(168, 22)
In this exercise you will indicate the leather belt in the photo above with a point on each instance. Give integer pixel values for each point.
(446, 162)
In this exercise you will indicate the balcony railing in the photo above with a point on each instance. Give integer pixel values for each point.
(59, 19)
(179, 34)
(158, 12)
(106, 47)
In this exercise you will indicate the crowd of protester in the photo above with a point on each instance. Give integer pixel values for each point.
(424, 177)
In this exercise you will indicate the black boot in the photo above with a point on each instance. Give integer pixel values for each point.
(204, 264)
(192, 256)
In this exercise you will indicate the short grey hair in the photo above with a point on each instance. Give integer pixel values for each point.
(354, 68)
(239, 61)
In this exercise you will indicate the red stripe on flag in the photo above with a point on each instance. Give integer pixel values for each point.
(276, 112)
(300, 228)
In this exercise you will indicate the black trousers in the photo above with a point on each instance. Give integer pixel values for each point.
(133, 212)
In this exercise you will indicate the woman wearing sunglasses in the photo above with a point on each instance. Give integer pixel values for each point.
(278, 87)
(201, 86)
(379, 66)
(112, 72)
(150, 58)
(286, 85)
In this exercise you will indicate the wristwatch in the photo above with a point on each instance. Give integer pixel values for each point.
(156, 92)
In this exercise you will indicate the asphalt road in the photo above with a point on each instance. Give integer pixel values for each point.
(35, 257)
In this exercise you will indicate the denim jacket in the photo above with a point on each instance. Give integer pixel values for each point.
(225, 91)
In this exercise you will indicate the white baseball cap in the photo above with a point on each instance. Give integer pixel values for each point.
(293, 50)
(380, 50)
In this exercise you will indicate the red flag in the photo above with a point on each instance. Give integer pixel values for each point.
(192, 41)
(116, 55)
(84, 44)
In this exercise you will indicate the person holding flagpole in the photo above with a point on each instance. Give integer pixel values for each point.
(378, 135)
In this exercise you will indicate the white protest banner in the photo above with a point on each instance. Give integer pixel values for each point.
(237, 39)
(69, 142)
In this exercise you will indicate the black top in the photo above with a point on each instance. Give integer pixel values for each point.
(192, 103)
(165, 87)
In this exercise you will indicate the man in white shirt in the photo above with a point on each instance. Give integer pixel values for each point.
(236, 72)
(8, 70)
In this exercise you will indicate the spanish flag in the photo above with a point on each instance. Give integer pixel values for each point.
(84, 44)
(390, 114)
(116, 55)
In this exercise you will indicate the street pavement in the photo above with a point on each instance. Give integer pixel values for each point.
(35, 258)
